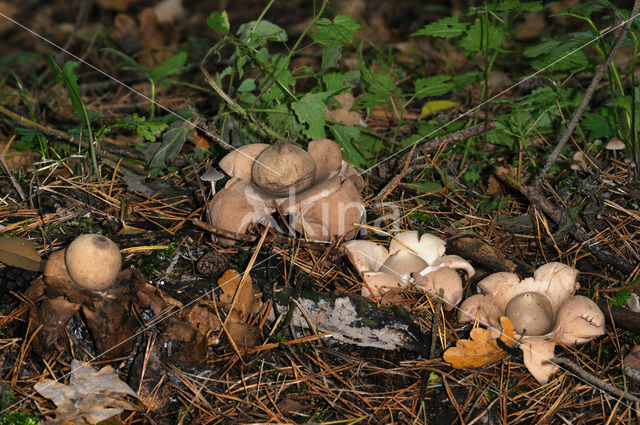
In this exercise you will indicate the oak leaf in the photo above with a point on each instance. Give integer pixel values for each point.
(480, 350)
(230, 284)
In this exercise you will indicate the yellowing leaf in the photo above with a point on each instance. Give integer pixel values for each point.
(434, 106)
(230, 284)
(21, 253)
(481, 349)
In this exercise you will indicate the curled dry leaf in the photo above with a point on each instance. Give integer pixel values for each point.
(230, 284)
(480, 350)
(90, 398)
(243, 335)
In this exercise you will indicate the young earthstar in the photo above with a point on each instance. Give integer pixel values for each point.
(410, 261)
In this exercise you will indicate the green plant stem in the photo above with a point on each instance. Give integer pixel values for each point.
(153, 98)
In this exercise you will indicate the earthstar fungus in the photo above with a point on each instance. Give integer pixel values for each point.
(411, 260)
(317, 190)
(543, 309)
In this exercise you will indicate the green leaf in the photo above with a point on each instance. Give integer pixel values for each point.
(338, 33)
(247, 85)
(330, 57)
(283, 120)
(378, 87)
(598, 126)
(169, 67)
(256, 35)
(519, 6)
(464, 79)
(346, 136)
(172, 142)
(474, 42)
(133, 65)
(445, 27)
(432, 86)
(21, 253)
(70, 81)
(219, 22)
(310, 111)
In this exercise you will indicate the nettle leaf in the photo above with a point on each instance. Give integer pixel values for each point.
(338, 33)
(519, 6)
(378, 87)
(258, 33)
(163, 152)
(446, 27)
(169, 67)
(598, 126)
(474, 42)
(432, 86)
(283, 120)
(247, 85)
(330, 57)
(219, 22)
(346, 136)
(310, 110)
(466, 78)
(567, 55)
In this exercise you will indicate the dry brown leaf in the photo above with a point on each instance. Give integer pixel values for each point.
(244, 336)
(21, 253)
(480, 350)
(10, 10)
(230, 284)
(531, 27)
(92, 396)
(344, 114)
(200, 142)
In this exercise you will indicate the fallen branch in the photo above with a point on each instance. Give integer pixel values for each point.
(536, 197)
(593, 380)
(442, 141)
(623, 318)
(120, 151)
(351, 319)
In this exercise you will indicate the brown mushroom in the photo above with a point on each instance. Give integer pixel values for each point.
(333, 216)
(327, 156)
(237, 207)
(238, 162)
(531, 313)
(93, 261)
(283, 168)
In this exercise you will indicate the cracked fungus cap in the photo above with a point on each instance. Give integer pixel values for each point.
(93, 261)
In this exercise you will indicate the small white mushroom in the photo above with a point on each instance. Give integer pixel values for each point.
(428, 246)
(212, 176)
(444, 278)
(402, 264)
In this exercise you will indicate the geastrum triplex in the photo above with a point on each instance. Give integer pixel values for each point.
(409, 260)
(543, 309)
(317, 190)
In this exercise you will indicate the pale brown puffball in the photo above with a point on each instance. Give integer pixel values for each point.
(93, 261)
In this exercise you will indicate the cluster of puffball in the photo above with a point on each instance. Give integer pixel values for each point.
(317, 189)
(409, 260)
(543, 310)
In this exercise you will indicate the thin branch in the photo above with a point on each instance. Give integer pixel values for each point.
(593, 380)
(621, 34)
